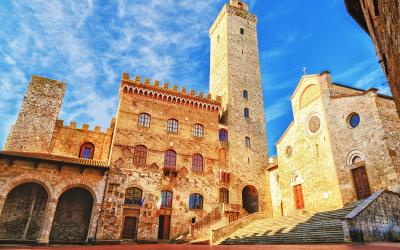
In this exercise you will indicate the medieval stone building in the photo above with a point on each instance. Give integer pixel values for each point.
(169, 157)
(175, 162)
(342, 146)
(381, 20)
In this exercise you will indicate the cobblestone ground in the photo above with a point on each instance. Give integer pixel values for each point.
(375, 246)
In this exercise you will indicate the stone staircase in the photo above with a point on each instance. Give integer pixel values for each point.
(299, 227)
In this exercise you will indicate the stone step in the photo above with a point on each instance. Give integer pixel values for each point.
(299, 227)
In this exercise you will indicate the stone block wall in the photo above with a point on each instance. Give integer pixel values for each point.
(377, 219)
(305, 152)
(368, 140)
(150, 177)
(67, 140)
(54, 180)
(235, 68)
(383, 22)
(36, 120)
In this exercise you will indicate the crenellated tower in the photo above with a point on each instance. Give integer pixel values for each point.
(235, 76)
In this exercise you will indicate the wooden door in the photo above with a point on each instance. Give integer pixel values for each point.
(361, 183)
(129, 232)
(164, 227)
(298, 197)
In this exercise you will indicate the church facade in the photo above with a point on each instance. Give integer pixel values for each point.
(342, 146)
(169, 157)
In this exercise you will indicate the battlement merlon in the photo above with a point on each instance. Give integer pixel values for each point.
(85, 127)
(136, 83)
(234, 8)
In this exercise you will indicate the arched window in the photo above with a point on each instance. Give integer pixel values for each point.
(246, 113)
(166, 199)
(196, 201)
(144, 120)
(356, 159)
(172, 126)
(198, 130)
(245, 94)
(87, 150)
(247, 142)
(140, 155)
(223, 195)
(170, 159)
(133, 196)
(197, 163)
(223, 135)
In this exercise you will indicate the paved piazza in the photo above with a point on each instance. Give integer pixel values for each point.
(374, 246)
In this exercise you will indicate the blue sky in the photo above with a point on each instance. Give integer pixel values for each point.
(89, 43)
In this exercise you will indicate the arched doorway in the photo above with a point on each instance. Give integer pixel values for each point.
(22, 214)
(72, 217)
(250, 199)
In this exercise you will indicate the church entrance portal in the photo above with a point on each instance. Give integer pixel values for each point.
(298, 196)
(361, 183)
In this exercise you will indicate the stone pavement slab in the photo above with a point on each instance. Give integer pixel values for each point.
(373, 246)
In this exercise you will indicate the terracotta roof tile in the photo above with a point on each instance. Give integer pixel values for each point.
(57, 158)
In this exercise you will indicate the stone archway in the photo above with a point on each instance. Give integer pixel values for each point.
(72, 217)
(250, 199)
(22, 214)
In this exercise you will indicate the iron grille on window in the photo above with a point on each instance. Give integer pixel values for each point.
(144, 120)
(170, 159)
(133, 196)
(166, 199)
(196, 201)
(197, 163)
(198, 130)
(172, 126)
(140, 155)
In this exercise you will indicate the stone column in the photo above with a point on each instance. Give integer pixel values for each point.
(44, 233)
(94, 218)
(2, 202)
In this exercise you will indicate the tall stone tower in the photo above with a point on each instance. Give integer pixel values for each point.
(33, 130)
(235, 76)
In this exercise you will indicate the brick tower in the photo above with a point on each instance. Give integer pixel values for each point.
(235, 76)
(33, 130)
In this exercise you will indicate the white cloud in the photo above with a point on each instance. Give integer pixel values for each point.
(278, 109)
(65, 40)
